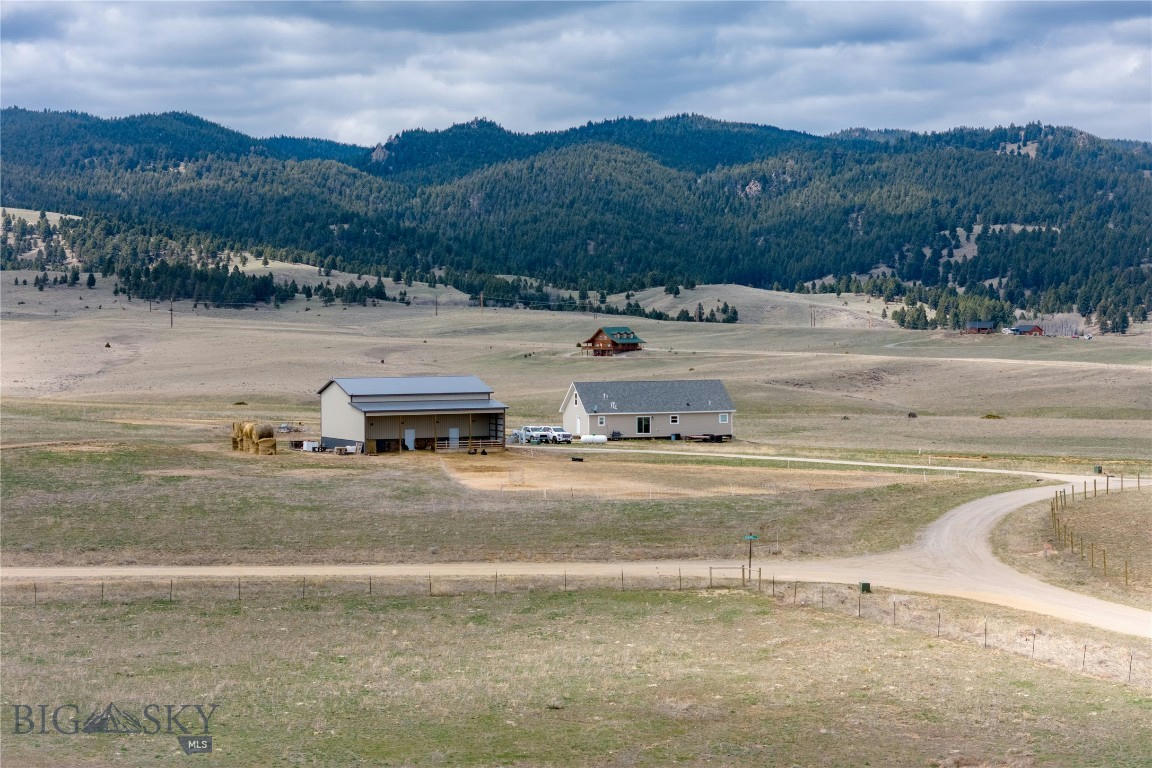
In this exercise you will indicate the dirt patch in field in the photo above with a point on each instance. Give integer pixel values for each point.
(314, 472)
(65, 446)
(621, 479)
(192, 423)
(183, 472)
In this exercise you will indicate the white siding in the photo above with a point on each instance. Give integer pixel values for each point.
(338, 419)
(698, 423)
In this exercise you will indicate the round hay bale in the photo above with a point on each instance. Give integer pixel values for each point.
(266, 446)
(264, 430)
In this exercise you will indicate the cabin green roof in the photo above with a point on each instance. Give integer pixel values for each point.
(622, 330)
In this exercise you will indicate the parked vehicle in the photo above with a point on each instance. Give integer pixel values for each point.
(530, 434)
(558, 434)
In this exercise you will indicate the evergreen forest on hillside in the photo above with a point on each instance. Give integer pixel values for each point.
(971, 223)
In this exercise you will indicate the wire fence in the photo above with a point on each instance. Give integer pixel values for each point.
(1128, 662)
(1092, 553)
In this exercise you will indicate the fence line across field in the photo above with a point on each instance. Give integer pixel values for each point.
(919, 613)
(1065, 536)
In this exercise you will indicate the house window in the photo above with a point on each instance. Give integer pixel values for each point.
(643, 425)
(674, 418)
(600, 420)
(723, 418)
(575, 399)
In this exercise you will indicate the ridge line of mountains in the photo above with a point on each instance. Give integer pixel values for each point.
(1039, 217)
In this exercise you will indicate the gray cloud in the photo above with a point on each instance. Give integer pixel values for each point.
(363, 71)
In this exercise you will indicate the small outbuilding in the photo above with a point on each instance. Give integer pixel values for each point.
(1026, 329)
(410, 413)
(979, 326)
(649, 409)
(612, 340)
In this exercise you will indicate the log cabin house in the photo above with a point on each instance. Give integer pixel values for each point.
(612, 340)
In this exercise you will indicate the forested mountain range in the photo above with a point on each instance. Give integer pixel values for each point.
(1034, 216)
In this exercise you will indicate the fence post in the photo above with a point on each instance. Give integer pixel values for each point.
(795, 590)
(709, 577)
(170, 590)
(495, 582)
(773, 585)
(101, 593)
(34, 595)
(369, 585)
(1033, 643)
(1104, 554)
(565, 581)
(237, 587)
(680, 577)
(429, 585)
(1084, 658)
(893, 613)
(1129, 666)
(859, 604)
(621, 579)
(939, 621)
(760, 580)
(821, 597)
(985, 633)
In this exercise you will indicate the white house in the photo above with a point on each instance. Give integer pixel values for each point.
(409, 413)
(638, 409)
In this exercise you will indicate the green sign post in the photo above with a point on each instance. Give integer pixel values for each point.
(751, 537)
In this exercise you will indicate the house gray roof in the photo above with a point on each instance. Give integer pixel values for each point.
(409, 385)
(684, 396)
(417, 406)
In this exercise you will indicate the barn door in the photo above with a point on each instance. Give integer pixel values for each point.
(453, 437)
(410, 439)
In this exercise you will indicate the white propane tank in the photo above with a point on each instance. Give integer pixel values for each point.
(593, 438)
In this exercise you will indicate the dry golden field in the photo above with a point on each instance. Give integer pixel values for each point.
(114, 450)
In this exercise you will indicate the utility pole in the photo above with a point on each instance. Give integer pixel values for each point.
(171, 313)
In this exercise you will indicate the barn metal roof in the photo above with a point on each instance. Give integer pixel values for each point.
(683, 396)
(431, 405)
(409, 385)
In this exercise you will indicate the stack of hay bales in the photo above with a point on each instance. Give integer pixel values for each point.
(265, 440)
(250, 437)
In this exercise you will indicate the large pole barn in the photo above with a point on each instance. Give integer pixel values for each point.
(410, 413)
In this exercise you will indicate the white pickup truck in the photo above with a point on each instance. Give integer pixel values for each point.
(557, 434)
(530, 434)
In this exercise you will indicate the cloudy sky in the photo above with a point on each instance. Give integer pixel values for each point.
(359, 72)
